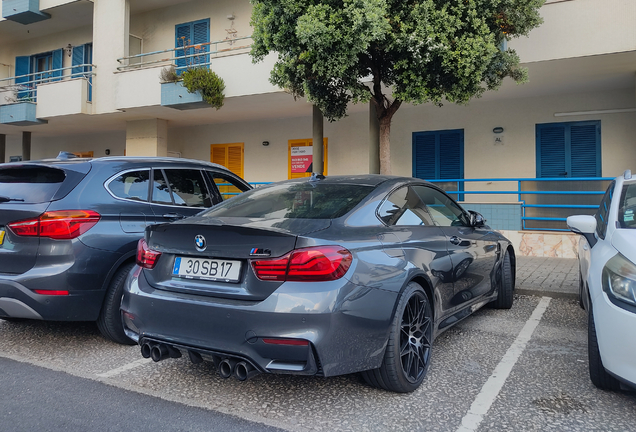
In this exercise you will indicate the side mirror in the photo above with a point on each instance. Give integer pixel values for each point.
(584, 225)
(476, 219)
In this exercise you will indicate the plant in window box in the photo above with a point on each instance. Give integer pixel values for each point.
(198, 77)
(169, 74)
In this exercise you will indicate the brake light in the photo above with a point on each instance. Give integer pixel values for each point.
(61, 224)
(146, 257)
(293, 342)
(316, 264)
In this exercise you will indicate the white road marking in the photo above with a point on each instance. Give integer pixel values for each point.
(493, 386)
(124, 368)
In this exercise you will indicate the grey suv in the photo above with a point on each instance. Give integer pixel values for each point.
(69, 229)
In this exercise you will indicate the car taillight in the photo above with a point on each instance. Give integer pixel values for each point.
(146, 257)
(61, 224)
(316, 264)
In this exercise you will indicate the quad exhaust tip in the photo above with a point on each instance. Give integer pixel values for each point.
(240, 369)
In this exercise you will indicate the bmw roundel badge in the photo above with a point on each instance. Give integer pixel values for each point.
(199, 242)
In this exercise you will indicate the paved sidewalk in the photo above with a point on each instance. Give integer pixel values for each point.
(552, 277)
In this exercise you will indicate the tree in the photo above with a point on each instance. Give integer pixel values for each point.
(336, 52)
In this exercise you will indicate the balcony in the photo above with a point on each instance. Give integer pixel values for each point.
(139, 83)
(23, 11)
(29, 99)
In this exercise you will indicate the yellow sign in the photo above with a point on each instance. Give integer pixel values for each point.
(1, 236)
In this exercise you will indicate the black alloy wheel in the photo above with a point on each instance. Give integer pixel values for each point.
(408, 352)
(415, 337)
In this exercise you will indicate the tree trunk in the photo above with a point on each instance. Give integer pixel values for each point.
(385, 145)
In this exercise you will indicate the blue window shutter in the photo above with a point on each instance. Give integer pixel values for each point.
(182, 38)
(424, 156)
(56, 64)
(571, 149)
(77, 59)
(451, 154)
(193, 33)
(88, 59)
(585, 149)
(201, 35)
(551, 151)
(22, 64)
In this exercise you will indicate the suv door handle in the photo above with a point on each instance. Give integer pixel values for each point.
(173, 216)
(455, 240)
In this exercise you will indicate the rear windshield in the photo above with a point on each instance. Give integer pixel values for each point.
(293, 201)
(29, 184)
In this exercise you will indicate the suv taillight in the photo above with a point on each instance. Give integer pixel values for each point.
(61, 224)
(315, 264)
(146, 257)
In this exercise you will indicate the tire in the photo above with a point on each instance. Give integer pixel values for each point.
(505, 296)
(408, 352)
(109, 321)
(599, 376)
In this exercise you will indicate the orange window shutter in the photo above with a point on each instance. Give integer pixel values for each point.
(228, 155)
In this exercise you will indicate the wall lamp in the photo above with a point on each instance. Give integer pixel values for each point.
(265, 143)
(498, 130)
(68, 49)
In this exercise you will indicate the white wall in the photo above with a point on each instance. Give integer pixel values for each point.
(580, 28)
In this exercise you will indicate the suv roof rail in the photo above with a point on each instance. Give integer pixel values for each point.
(64, 155)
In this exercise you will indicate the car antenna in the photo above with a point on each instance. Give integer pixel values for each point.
(316, 177)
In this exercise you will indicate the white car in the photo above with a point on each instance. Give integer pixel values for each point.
(607, 284)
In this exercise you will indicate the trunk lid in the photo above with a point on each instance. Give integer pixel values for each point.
(234, 240)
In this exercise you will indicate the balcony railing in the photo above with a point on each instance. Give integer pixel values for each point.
(545, 202)
(24, 87)
(181, 57)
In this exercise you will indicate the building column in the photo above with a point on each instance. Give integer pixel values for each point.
(26, 146)
(318, 164)
(111, 26)
(147, 137)
(3, 148)
(374, 140)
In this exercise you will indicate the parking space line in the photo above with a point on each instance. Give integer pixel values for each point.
(124, 368)
(493, 386)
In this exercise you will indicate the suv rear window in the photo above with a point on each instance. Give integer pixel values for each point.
(293, 201)
(30, 184)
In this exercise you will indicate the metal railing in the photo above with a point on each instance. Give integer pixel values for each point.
(24, 87)
(545, 202)
(201, 54)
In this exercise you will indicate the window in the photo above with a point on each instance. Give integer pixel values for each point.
(195, 35)
(603, 211)
(228, 155)
(83, 55)
(188, 188)
(627, 206)
(30, 184)
(404, 207)
(445, 211)
(160, 189)
(569, 149)
(227, 185)
(439, 155)
(131, 185)
(33, 70)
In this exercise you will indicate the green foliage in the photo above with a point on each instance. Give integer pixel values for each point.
(207, 82)
(336, 52)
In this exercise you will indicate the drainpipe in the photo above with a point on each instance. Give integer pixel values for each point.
(317, 140)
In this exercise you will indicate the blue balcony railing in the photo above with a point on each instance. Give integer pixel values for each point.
(24, 87)
(545, 203)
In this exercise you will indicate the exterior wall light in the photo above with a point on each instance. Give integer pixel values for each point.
(498, 130)
(68, 50)
(265, 143)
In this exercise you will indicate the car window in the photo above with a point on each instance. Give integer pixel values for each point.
(227, 185)
(160, 189)
(444, 211)
(131, 185)
(188, 187)
(30, 184)
(603, 211)
(306, 200)
(404, 207)
(627, 207)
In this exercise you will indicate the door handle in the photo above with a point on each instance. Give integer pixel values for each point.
(455, 240)
(173, 216)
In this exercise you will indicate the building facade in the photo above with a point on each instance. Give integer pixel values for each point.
(84, 76)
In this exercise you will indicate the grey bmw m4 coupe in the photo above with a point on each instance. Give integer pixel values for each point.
(319, 276)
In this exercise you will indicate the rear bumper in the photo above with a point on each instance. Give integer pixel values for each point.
(346, 325)
(616, 331)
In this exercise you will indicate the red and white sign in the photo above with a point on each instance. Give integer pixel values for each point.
(301, 158)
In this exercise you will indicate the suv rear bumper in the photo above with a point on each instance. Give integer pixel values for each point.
(17, 301)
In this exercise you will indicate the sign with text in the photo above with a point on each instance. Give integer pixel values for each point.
(301, 158)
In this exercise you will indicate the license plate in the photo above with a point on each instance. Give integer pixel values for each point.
(1, 236)
(210, 269)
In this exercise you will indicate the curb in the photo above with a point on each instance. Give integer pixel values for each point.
(546, 293)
